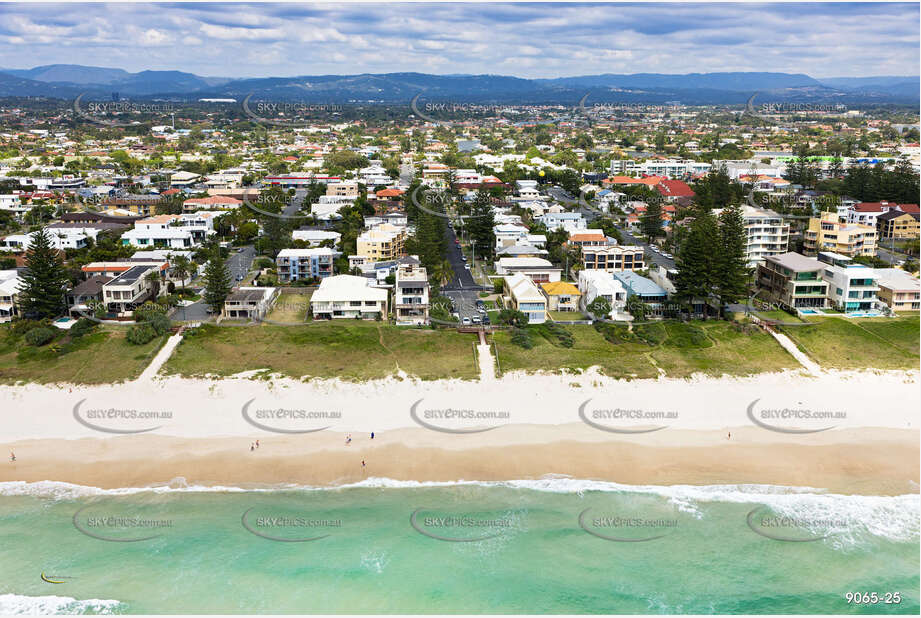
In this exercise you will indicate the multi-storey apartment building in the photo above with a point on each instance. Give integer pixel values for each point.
(314, 263)
(342, 189)
(612, 257)
(897, 225)
(793, 280)
(411, 296)
(382, 242)
(827, 233)
(766, 231)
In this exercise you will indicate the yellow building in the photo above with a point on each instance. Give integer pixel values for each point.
(898, 225)
(382, 242)
(561, 296)
(830, 234)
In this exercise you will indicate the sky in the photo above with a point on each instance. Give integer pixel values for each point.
(524, 40)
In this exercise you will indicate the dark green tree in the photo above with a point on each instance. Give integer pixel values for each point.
(697, 273)
(217, 281)
(41, 294)
(651, 221)
(732, 271)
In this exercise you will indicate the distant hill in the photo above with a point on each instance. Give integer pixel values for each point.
(67, 80)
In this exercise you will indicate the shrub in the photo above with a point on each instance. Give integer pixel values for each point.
(141, 333)
(40, 336)
(687, 336)
(82, 327)
(614, 333)
(522, 338)
(653, 334)
(21, 327)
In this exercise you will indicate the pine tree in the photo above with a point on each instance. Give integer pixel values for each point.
(697, 275)
(480, 224)
(41, 294)
(732, 272)
(651, 221)
(217, 281)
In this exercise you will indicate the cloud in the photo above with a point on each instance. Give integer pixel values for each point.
(527, 40)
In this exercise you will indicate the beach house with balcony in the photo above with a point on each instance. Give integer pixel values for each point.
(523, 295)
(348, 296)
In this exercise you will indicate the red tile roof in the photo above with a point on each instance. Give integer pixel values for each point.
(674, 188)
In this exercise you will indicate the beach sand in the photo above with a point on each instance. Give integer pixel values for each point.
(868, 445)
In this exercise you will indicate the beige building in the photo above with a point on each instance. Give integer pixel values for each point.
(793, 280)
(898, 225)
(382, 242)
(828, 233)
(561, 296)
(342, 189)
(411, 296)
(612, 257)
(898, 289)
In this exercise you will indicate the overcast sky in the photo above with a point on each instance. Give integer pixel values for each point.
(526, 40)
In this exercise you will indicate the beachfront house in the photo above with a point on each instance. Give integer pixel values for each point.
(522, 294)
(348, 296)
(249, 303)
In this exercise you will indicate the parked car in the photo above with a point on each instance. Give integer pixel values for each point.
(477, 320)
(466, 322)
(669, 256)
(239, 277)
(486, 319)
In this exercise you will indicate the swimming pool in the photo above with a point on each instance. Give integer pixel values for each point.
(863, 314)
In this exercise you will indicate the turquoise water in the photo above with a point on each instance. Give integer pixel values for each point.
(513, 547)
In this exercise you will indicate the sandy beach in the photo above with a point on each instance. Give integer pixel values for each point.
(855, 433)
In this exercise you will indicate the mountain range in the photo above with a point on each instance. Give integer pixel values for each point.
(68, 81)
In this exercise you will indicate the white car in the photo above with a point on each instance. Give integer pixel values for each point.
(669, 256)
(466, 322)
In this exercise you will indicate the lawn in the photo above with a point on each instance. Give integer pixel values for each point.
(566, 316)
(713, 348)
(103, 356)
(857, 343)
(348, 349)
(289, 309)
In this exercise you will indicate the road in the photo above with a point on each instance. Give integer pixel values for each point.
(463, 290)
(407, 172)
(567, 199)
(890, 257)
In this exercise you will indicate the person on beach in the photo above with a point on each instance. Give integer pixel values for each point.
(348, 440)
(362, 464)
(252, 447)
(257, 443)
(729, 435)
(372, 435)
(13, 457)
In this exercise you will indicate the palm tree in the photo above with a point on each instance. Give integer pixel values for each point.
(153, 278)
(181, 268)
(444, 272)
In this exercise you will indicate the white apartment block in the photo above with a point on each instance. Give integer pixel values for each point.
(411, 296)
(767, 233)
(523, 295)
(851, 287)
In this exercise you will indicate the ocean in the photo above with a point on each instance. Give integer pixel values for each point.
(555, 545)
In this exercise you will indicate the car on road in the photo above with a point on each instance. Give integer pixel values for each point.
(477, 320)
(464, 257)
(467, 266)
(486, 319)
(466, 322)
(241, 250)
(239, 277)
(669, 256)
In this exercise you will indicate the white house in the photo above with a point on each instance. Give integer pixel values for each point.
(538, 270)
(599, 283)
(9, 288)
(315, 237)
(569, 221)
(523, 294)
(348, 296)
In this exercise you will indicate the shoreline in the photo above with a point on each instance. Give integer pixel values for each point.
(866, 461)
